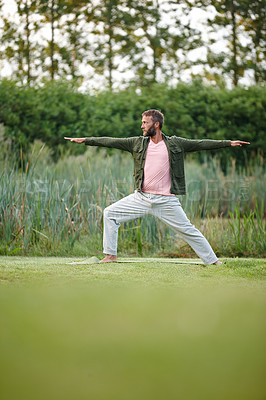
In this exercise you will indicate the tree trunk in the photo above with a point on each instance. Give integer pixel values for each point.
(110, 63)
(110, 47)
(257, 56)
(235, 66)
(74, 51)
(52, 40)
(156, 42)
(28, 58)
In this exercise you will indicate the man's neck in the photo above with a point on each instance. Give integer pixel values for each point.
(158, 137)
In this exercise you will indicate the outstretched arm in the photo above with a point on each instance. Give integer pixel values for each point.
(207, 144)
(235, 143)
(111, 142)
(76, 140)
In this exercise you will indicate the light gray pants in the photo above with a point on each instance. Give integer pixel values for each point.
(166, 208)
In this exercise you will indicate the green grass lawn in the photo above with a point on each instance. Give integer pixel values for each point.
(132, 330)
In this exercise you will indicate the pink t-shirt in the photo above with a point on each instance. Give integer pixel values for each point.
(157, 178)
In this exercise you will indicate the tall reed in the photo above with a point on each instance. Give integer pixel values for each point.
(248, 231)
(48, 204)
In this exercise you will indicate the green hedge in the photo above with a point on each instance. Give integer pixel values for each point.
(191, 110)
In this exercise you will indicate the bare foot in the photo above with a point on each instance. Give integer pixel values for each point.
(109, 258)
(217, 262)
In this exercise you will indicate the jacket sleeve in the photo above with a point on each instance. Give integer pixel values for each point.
(113, 143)
(204, 144)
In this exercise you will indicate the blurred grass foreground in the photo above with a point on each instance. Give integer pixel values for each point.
(56, 208)
(126, 332)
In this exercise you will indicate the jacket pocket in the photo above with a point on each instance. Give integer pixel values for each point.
(138, 158)
(177, 162)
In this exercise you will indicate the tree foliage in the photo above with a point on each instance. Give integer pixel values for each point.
(19, 47)
(142, 42)
(254, 21)
(244, 24)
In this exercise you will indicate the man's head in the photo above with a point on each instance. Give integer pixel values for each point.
(151, 120)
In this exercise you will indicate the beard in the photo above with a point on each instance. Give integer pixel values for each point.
(151, 131)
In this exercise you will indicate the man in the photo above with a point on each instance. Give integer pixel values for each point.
(159, 178)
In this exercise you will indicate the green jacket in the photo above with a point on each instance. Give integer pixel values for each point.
(176, 147)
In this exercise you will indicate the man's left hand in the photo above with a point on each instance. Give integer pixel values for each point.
(235, 143)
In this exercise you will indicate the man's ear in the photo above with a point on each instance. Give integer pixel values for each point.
(157, 124)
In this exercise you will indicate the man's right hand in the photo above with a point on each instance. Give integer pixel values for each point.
(76, 140)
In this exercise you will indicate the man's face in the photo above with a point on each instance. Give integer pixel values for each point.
(147, 126)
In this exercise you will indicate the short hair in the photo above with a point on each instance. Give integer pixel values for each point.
(156, 116)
